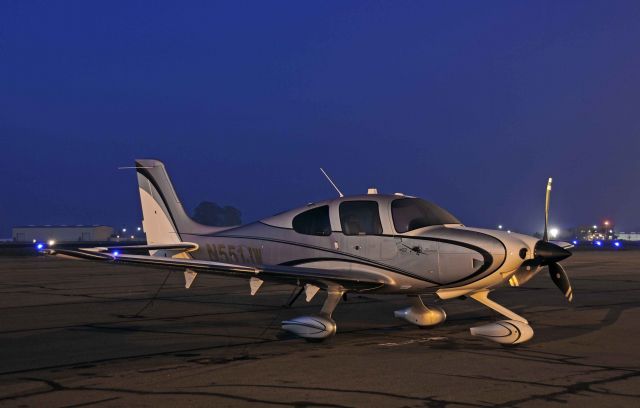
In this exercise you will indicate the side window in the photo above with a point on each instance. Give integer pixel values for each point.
(360, 218)
(313, 222)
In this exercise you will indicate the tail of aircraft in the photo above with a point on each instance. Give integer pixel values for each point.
(164, 218)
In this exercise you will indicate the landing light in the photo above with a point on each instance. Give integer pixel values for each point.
(51, 242)
(554, 232)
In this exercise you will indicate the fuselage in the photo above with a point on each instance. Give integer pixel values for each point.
(415, 245)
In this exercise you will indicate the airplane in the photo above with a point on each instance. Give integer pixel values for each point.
(373, 243)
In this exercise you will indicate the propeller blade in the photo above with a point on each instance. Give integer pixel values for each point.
(560, 278)
(546, 210)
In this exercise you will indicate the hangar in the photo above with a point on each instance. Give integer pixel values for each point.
(61, 233)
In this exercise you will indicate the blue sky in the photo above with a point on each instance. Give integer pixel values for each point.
(469, 104)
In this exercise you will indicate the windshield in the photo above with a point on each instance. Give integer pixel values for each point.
(413, 213)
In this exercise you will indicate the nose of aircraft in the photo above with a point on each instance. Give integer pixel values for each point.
(548, 253)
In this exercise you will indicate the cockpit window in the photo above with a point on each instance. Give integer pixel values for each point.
(360, 218)
(313, 222)
(413, 213)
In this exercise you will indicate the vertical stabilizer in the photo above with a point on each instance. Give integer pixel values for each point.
(164, 218)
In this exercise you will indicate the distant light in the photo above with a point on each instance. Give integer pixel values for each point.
(574, 242)
(34, 241)
(554, 232)
(116, 253)
(124, 230)
(132, 237)
(139, 229)
(508, 231)
(500, 226)
(595, 227)
(118, 236)
(39, 246)
(51, 242)
(598, 243)
(616, 244)
(611, 231)
(606, 223)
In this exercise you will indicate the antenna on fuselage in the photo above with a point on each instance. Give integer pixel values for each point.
(331, 181)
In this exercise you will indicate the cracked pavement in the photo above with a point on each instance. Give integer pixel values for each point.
(70, 336)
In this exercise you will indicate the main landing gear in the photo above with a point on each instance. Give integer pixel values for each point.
(321, 326)
(421, 315)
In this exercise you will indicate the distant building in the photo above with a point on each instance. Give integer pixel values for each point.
(604, 231)
(629, 236)
(61, 233)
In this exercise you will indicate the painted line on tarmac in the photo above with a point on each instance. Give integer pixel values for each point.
(422, 340)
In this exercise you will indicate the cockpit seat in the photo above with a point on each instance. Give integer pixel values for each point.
(352, 227)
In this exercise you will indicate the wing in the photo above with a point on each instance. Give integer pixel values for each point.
(323, 278)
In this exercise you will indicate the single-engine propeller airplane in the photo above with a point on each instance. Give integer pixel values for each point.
(373, 243)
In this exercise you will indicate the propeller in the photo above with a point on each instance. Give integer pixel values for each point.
(549, 254)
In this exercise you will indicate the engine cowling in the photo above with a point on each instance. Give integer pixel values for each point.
(504, 332)
(310, 327)
(421, 315)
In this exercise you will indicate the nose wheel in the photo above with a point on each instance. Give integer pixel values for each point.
(516, 330)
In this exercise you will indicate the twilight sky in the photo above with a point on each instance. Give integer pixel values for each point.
(469, 104)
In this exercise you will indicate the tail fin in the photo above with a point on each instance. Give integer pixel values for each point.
(164, 218)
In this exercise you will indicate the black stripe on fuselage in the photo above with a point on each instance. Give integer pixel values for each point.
(488, 258)
(296, 262)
